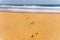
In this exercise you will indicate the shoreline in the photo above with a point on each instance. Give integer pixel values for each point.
(29, 9)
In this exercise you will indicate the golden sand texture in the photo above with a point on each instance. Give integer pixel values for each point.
(29, 26)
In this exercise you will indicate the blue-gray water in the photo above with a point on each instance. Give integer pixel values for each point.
(53, 5)
(29, 7)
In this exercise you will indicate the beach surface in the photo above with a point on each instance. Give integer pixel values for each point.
(29, 26)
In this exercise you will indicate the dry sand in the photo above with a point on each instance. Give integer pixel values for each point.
(29, 26)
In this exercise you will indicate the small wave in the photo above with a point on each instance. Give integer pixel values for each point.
(28, 8)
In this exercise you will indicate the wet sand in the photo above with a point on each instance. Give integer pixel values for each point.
(29, 26)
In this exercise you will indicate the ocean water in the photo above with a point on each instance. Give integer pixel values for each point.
(30, 7)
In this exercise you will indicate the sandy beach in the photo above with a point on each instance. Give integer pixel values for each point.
(29, 26)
